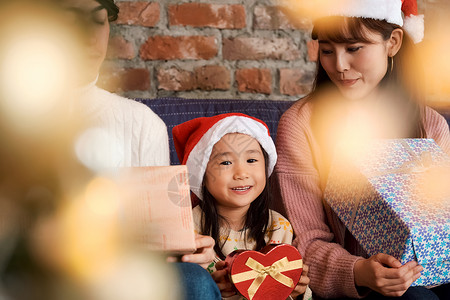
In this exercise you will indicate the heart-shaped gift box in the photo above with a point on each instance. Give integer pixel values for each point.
(269, 274)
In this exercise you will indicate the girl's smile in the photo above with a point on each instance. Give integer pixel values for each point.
(241, 190)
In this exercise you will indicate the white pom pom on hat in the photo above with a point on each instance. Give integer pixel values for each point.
(195, 139)
(413, 23)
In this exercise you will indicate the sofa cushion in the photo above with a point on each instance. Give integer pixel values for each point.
(174, 111)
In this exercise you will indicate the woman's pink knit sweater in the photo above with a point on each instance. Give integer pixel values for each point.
(320, 236)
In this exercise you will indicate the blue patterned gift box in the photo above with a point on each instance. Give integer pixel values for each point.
(378, 197)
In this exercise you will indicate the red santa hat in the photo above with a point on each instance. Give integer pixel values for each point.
(400, 12)
(195, 139)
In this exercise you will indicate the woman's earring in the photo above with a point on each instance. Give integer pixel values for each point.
(392, 63)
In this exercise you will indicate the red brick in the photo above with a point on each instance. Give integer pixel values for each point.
(182, 47)
(138, 13)
(295, 82)
(207, 15)
(174, 79)
(273, 17)
(313, 50)
(213, 78)
(123, 80)
(120, 48)
(260, 48)
(254, 80)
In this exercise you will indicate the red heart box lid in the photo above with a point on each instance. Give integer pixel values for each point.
(269, 274)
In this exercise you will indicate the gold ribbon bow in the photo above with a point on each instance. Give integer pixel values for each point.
(259, 272)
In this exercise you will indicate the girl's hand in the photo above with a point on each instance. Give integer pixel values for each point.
(386, 275)
(302, 283)
(205, 251)
(221, 278)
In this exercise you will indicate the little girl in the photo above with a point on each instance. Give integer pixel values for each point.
(229, 158)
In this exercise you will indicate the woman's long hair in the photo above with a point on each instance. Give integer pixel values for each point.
(403, 77)
(257, 218)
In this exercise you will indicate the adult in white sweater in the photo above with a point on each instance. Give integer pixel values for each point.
(121, 132)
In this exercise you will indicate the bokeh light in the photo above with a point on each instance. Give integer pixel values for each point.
(310, 9)
(99, 150)
(435, 61)
(72, 228)
(432, 186)
(84, 240)
(39, 63)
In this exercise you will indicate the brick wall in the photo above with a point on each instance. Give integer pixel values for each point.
(216, 49)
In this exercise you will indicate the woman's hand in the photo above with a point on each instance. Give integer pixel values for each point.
(221, 278)
(205, 251)
(302, 284)
(386, 275)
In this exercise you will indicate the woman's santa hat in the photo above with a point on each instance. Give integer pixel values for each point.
(389, 10)
(400, 12)
(195, 139)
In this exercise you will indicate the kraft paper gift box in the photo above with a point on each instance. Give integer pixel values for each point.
(156, 207)
(380, 192)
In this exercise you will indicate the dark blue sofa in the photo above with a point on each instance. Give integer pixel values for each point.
(174, 111)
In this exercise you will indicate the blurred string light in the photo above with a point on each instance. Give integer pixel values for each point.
(99, 150)
(79, 236)
(434, 59)
(90, 225)
(353, 124)
(85, 241)
(39, 64)
(432, 186)
(310, 9)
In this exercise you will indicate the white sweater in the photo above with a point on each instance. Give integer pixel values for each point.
(119, 132)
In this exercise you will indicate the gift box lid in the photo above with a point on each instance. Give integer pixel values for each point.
(269, 274)
(156, 208)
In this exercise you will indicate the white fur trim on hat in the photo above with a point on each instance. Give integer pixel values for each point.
(199, 157)
(402, 13)
(389, 10)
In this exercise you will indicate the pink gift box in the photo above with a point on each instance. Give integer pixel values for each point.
(156, 207)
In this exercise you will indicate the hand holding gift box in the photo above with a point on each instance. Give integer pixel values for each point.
(271, 274)
(379, 193)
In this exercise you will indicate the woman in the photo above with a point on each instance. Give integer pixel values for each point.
(123, 132)
(361, 90)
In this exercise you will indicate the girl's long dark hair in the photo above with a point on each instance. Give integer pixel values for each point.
(257, 218)
(404, 78)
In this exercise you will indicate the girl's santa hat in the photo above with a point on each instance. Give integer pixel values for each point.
(400, 12)
(195, 139)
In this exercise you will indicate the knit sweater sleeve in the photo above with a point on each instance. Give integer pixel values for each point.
(437, 128)
(331, 266)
